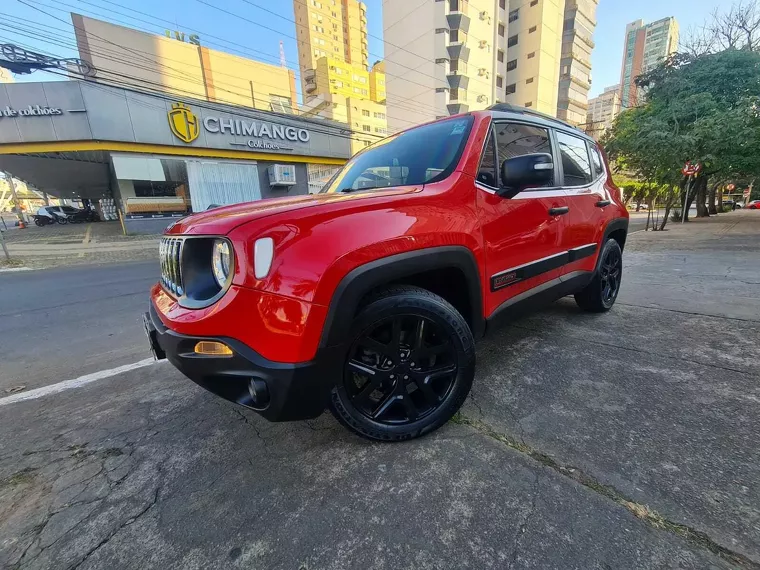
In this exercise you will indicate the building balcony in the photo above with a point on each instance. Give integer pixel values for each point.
(458, 50)
(457, 108)
(458, 21)
(457, 80)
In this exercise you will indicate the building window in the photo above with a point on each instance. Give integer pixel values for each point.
(441, 30)
(503, 4)
(454, 36)
(512, 41)
(365, 113)
(501, 30)
(500, 56)
(534, 2)
(367, 128)
(511, 65)
(511, 88)
(440, 89)
(499, 81)
(529, 80)
(531, 55)
(514, 14)
(531, 30)
(529, 104)
(380, 130)
(454, 65)
(379, 115)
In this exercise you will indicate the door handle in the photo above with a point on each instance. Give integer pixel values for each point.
(559, 211)
(603, 203)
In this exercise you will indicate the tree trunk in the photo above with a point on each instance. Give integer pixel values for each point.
(668, 206)
(712, 207)
(701, 197)
(638, 205)
(720, 200)
(687, 195)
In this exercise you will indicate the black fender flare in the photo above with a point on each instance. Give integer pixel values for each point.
(360, 281)
(614, 225)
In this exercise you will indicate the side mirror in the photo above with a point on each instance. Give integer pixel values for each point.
(521, 172)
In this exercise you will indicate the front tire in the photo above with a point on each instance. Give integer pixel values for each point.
(599, 295)
(409, 368)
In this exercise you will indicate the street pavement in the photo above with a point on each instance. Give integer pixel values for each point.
(623, 440)
(62, 323)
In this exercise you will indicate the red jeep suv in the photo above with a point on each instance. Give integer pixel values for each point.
(368, 297)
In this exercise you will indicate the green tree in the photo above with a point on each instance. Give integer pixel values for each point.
(698, 108)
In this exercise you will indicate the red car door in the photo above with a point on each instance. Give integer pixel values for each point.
(522, 239)
(586, 198)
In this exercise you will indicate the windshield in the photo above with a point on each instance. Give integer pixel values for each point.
(426, 154)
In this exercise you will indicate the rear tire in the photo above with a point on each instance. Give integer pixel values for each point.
(599, 295)
(409, 368)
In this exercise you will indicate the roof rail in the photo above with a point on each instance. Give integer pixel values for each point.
(508, 108)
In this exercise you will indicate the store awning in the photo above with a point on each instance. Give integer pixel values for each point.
(67, 174)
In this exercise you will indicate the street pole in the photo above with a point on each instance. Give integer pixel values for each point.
(16, 202)
(686, 199)
(5, 249)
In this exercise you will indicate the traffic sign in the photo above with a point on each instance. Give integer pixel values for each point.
(691, 168)
(746, 192)
(731, 187)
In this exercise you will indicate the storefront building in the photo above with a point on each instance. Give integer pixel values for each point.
(155, 157)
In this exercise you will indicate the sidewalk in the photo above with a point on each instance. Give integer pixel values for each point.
(52, 246)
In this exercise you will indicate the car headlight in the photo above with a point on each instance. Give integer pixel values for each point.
(221, 262)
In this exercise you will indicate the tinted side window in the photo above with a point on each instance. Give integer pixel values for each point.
(513, 139)
(487, 170)
(575, 161)
(596, 158)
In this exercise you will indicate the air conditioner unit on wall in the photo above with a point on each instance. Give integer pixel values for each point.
(482, 99)
(483, 44)
(483, 72)
(484, 15)
(282, 174)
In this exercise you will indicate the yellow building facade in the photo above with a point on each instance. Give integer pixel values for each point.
(336, 79)
(130, 58)
(335, 29)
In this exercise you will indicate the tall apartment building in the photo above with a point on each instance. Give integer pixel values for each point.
(335, 29)
(452, 56)
(602, 111)
(131, 58)
(645, 47)
(575, 65)
(337, 81)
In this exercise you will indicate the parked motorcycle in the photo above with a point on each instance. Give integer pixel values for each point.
(82, 216)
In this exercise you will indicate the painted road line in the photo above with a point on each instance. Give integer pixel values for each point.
(74, 383)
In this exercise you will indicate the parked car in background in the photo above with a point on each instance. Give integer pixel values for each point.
(50, 215)
(754, 205)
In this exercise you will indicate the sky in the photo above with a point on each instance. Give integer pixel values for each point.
(254, 28)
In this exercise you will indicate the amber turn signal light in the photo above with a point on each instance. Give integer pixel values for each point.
(211, 348)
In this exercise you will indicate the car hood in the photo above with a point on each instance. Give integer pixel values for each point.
(221, 221)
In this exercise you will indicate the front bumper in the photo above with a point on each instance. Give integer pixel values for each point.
(278, 391)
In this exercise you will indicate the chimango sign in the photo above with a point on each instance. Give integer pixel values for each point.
(185, 125)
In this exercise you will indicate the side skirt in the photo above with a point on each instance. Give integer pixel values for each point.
(538, 297)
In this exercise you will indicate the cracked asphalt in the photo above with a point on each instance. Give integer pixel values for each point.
(624, 440)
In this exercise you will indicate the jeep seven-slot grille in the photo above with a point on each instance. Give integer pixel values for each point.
(170, 251)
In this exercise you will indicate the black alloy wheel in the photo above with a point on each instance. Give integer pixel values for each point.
(408, 368)
(610, 271)
(600, 294)
(400, 370)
